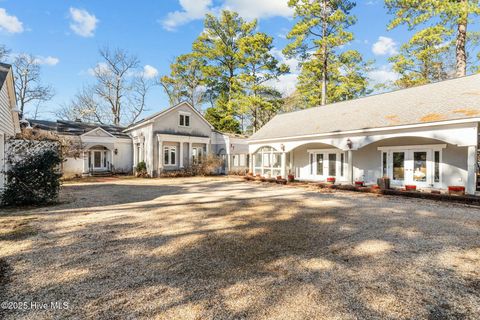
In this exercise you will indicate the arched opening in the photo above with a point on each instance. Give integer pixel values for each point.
(98, 158)
(411, 160)
(318, 162)
(267, 162)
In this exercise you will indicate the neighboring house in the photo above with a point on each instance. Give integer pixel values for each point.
(9, 124)
(425, 136)
(177, 138)
(101, 148)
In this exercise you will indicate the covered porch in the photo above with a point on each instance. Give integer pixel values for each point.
(98, 159)
(177, 152)
(428, 159)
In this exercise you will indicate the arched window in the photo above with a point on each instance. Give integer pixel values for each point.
(268, 162)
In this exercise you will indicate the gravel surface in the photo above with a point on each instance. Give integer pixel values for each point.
(219, 248)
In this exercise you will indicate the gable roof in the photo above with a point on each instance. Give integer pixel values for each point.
(108, 134)
(157, 115)
(77, 128)
(4, 70)
(447, 100)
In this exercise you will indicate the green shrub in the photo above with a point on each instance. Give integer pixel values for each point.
(141, 170)
(33, 180)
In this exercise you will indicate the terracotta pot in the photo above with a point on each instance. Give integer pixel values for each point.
(359, 183)
(291, 178)
(331, 180)
(410, 188)
(279, 177)
(456, 190)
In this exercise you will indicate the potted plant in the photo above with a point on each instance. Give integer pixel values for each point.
(359, 184)
(409, 187)
(331, 180)
(291, 178)
(456, 190)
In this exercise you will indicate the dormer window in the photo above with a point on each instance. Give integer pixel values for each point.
(184, 120)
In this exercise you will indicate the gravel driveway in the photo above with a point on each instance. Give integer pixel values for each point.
(219, 248)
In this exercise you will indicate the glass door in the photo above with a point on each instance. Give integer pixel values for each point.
(319, 162)
(420, 172)
(398, 167)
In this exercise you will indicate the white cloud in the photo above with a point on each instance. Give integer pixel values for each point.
(258, 9)
(248, 9)
(149, 72)
(9, 23)
(382, 75)
(287, 83)
(49, 61)
(100, 68)
(191, 10)
(83, 23)
(384, 46)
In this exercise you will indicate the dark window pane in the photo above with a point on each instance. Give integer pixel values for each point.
(342, 162)
(384, 164)
(437, 166)
(165, 156)
(187, 121)
(332, 164)
(399, 166)
(172, 156)
(420, 166)
(320, 164)
(182, 120)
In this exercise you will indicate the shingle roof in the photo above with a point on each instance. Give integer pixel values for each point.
(76, 128)
(4, 69)
(447, 100)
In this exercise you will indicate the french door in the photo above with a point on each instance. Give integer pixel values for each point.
(327, 164)
(99, 160)
(420, 167)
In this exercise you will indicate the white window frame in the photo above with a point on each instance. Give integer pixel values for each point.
(312, 156)
(170, 149)
(408, 150)
(184, 115)
(267, 156)
(242, 160)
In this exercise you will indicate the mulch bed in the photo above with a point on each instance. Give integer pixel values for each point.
(465, 199)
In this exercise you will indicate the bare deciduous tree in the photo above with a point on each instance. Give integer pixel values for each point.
(4, 53)
(28, 84)
(118, 95)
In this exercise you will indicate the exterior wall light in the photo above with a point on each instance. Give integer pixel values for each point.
(349, 143)
(115, 151)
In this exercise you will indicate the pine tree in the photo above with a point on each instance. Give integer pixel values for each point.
(317, 40)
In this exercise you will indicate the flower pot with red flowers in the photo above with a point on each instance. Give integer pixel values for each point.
(359, 184)
(279, 177)
(456, 190)
(331, 180)
(291, 178)
(410, 187)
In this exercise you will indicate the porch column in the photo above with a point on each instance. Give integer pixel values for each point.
(85, 161)
(350, 166)
(189, 153)
(472, 170)
(181, 154)
(135, 155)
(207, 148)
(292, 171)
(160, 156)
(111, 161)
(251, 158)
(284, 165)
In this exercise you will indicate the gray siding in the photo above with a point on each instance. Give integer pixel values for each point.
(6, 119)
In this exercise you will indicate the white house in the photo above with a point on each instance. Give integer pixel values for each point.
(178, 137)
(425, 136)
(9, 124)
(103, 148)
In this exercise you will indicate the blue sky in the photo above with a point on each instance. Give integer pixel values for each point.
(66, 35)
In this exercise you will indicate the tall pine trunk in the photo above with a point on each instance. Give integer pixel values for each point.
(461, 42)
(324, 55)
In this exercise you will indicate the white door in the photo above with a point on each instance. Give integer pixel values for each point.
(98, 160)
(409, 167)
(327, 164)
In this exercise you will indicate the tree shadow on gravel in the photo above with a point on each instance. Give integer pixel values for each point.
(309, 256)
